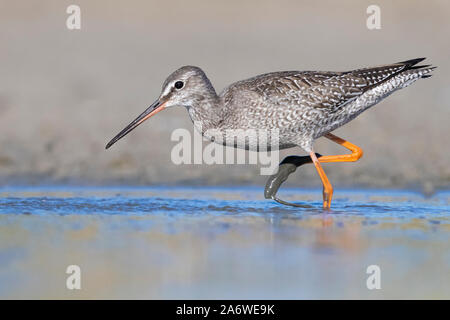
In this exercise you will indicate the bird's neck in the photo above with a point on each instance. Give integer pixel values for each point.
(206, 112)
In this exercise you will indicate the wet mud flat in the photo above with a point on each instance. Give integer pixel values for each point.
(214, 242)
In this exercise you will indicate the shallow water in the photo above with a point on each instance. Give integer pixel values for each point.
(214, 243)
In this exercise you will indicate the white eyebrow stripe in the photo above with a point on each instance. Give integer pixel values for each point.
(167, 90)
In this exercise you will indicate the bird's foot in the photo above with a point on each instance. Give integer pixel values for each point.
(327, 196)
(286, 168)
(298, 205)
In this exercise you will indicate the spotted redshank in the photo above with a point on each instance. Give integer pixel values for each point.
(301, 105)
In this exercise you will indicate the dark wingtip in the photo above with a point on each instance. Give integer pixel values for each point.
(412, 65)
(412, 62)
(420, 66)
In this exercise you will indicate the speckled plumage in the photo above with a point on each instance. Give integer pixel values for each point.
(300, 106)
(303, 105)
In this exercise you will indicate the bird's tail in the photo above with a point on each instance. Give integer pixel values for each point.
(414, 71)
(409, 71)
(421, 70)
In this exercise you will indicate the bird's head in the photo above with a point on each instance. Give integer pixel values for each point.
(184, 87)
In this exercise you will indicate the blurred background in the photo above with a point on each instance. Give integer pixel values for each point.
(65, 200)
(65, 93)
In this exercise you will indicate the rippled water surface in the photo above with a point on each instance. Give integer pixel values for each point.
(221, 243)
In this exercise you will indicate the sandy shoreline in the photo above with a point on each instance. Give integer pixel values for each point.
(64, 94)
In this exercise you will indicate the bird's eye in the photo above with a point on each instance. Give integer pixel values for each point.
(179, 84)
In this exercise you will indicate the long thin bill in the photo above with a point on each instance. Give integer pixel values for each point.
(153, 109)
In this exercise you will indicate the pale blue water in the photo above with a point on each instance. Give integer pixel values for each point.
(213, 242)
(196, 201)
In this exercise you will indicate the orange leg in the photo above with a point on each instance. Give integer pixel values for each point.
(327, 188)
(354, 156)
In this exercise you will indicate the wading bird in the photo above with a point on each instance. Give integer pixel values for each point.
(302, 105)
